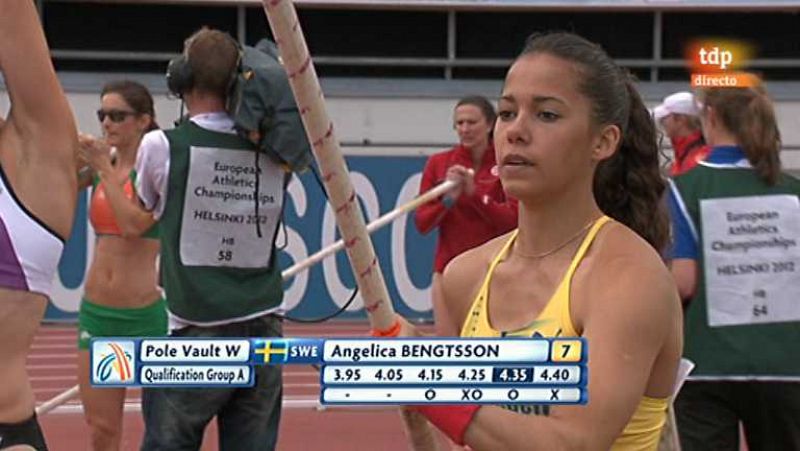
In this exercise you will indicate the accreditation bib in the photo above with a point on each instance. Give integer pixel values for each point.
(218, 226)
(751, 259)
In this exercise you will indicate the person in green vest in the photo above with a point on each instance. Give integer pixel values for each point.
(219, 204)
(736, 227)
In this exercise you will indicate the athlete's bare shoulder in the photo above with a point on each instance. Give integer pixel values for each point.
(464, 275)
(619, 263)
(616, 241)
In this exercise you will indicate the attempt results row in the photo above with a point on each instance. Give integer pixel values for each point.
(451, 375)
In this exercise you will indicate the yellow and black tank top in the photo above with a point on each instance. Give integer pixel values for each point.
(644, 428)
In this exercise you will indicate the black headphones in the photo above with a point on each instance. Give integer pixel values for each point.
(180, 77)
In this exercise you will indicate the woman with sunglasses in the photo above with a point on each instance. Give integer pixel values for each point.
(121, 297)
(37, 205)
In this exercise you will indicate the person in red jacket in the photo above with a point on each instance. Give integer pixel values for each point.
(478, 209)
(679, 117)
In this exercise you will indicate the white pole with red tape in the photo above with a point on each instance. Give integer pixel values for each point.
(320, 130)
(307, 91)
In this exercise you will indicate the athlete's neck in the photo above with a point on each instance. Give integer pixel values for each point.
(718, 136)
(549, 223)
(477, 154)
(126, 155)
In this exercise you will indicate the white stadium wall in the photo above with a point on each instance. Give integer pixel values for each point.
(417, 124)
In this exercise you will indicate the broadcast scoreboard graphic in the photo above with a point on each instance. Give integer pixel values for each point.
(361, 371)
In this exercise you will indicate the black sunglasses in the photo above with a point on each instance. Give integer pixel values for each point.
(116, 116)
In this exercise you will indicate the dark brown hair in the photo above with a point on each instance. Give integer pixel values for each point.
(136, 96)
(627, 186)
(483, 104)
(748, 114)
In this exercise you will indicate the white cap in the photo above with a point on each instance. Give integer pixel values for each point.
(678, 103)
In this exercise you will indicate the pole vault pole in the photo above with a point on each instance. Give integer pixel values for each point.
(289, 38)
(335, 176)
(385, 219)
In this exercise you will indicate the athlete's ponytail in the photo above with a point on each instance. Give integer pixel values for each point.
(629, 186)
(748, 115)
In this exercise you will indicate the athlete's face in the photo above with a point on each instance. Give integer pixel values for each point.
(122, 126)
(544, 137)
(472, 126)
(670, 125)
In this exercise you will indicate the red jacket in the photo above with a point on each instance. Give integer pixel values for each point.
(473, 219)
(689, 150)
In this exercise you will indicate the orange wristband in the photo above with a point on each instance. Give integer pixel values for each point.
(390, 332)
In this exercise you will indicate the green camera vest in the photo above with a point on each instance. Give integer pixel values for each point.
(741, 351)
(214, 266)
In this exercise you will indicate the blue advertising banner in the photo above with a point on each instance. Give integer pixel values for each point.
(383, 183)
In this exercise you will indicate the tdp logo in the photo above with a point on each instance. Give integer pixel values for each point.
(715, 57)
(113, 362)
(271, 351)
(716, 63)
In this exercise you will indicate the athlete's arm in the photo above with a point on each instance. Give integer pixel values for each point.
(133, 220)
(39, 137)
(461, 281)
(85, 172)
(428, 215)
(152, 165)
(684, 270)
(39, 111)
(626, 323)
(460, 274)
(685, 249)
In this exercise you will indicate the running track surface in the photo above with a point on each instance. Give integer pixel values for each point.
(52, 367)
